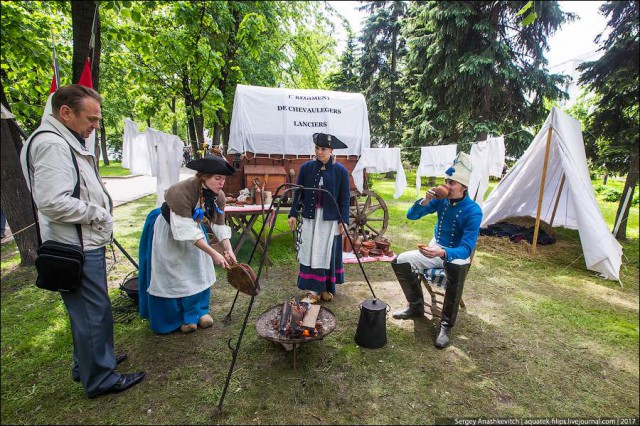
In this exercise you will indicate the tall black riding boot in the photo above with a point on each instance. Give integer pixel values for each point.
(456, 274)
(411, 287)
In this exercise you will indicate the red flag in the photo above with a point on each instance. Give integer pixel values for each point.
(54, 82)
(54, 86)
(85, 77)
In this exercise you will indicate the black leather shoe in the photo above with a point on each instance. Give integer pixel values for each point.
(412, 311)
(124, 382)
(444, 336)
(119, 359)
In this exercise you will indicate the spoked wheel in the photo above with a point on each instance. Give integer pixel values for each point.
(368, 215)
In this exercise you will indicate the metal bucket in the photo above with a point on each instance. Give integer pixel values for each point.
(130, 287)
(372, 326)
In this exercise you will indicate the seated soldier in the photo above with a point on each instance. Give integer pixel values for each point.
(454, 240)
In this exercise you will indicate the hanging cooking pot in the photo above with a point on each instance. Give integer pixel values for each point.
(130, 286)
(372, 326)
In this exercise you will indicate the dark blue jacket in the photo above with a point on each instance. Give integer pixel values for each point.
(335, 180)
(458, 224)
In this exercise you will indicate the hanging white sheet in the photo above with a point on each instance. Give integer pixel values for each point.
(434, 160)
(136, 153)
(168, 150)
(487, 159)
(380, 160)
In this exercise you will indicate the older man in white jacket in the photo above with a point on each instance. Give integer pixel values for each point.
(51, 174)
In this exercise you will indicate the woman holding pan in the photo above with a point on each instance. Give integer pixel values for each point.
(176, 260)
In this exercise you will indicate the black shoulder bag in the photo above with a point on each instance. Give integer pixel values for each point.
(59, 265)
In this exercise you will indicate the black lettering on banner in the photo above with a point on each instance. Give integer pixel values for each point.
(309, 123)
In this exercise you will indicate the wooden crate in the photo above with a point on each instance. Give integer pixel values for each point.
(271, 176)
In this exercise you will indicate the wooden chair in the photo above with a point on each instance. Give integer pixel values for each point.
(435, 281)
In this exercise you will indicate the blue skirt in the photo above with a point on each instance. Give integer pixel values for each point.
(320, 280)
(164, 314)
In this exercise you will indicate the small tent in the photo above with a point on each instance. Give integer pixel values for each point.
(551, 182)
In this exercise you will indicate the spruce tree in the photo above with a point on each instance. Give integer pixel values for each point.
(614, 79)
(382, 48)
(475, 69)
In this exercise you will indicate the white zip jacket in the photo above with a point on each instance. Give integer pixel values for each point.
(54, 177)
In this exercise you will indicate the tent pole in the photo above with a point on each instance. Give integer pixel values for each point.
(544, 176)
(624, 207)
(555, 207)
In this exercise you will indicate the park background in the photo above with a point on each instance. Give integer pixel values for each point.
(541, 336)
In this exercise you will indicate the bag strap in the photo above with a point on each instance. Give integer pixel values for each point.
(76, 189)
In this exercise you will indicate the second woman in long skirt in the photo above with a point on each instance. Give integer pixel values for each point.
(320, 233)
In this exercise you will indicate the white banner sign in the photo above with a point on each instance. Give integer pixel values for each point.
(282, 121)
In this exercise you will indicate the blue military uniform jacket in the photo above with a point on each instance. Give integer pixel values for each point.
(458, 224)
(335, 180)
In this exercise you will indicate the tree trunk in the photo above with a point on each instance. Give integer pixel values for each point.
(217, 129)
(172, 106)
(631, 182)
(82, 15)
(103, 143)
(226, 131)
(393, 105)
(198, 121)
(188, 106)
(96, 147)
(14, 194)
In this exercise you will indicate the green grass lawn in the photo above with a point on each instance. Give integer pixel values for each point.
(113, 169)
(541, 336)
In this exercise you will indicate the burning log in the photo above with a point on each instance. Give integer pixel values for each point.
(298, 319)
(284, 318)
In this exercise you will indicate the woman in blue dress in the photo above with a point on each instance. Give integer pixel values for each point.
(320, 250)
(176, 260)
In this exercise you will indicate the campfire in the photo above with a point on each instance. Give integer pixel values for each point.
(294, 323)
(297, 319)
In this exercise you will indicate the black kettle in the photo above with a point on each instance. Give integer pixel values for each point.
(372, 326)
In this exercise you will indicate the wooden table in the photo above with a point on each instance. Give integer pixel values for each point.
(242, 219)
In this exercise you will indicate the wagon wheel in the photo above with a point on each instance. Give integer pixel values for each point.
(368, 215)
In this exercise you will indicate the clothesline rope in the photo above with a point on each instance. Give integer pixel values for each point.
(13, 234)
(504, 136)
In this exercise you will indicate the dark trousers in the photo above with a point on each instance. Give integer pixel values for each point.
(89, 310)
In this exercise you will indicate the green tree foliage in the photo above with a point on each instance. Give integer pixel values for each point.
(170, 65)
(383, 46)
(475, 69)
(614, 78)
(197, 52)
(309, 49)
(347, 77)
(27, 55)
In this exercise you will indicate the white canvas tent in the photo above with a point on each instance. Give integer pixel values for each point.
(557, 157)
(282, 121)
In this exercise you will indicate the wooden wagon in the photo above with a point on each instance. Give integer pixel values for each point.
(271, 137)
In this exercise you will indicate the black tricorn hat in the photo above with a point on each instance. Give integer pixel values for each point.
(213, 165)
(328, 141)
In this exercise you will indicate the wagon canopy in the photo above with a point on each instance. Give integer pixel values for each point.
(282, 121)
